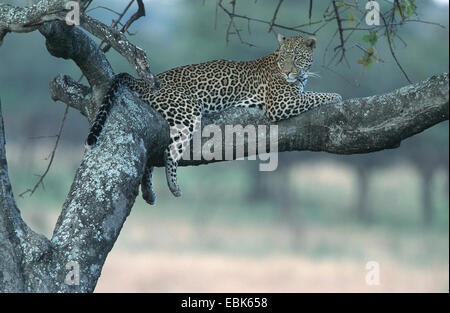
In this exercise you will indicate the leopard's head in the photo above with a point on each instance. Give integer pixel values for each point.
(295, 57)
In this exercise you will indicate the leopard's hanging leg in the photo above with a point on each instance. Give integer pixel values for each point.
(181, 132)
(171, 165)
(148, 193)
(295, 104)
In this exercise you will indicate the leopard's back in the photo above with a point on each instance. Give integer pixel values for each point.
(214, 85)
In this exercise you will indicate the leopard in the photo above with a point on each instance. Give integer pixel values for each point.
(274, 84)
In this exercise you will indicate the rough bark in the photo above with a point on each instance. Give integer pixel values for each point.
(26, 19)
(100, 199)
(68, 42)
(38, 16)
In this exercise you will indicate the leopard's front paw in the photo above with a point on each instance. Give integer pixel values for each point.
(336, 98)
(175, 189)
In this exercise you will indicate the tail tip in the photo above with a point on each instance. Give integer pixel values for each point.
(87, 146)
(90, 142)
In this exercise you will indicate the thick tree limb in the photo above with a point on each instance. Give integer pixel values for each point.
(135, 55)
(26, 19)
(69, 42)
(103, 192)
(356, 126)
(67, 90)
(98, 203)
(32, 263)
(21, 249)
(359, 125)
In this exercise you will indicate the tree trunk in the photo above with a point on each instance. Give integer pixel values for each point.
(427, 201)
(362, 205)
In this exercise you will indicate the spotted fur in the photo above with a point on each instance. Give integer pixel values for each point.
(274, 83)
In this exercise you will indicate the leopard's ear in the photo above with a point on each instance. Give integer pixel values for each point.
(281, 39)
(311, 42)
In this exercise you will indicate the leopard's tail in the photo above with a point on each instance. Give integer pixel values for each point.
(105, 108)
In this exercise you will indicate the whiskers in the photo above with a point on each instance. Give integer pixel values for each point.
(313, 74)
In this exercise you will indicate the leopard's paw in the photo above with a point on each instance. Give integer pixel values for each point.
(337, 98)
(176, 191)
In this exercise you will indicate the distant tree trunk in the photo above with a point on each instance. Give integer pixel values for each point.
(258, 191)
(446, 179)
(362, 206)
(427, 201)
(446, 184)
(287, 207)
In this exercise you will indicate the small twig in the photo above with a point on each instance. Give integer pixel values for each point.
(51, 156)
(392, 49)
(275, 15)
(328, 47)
(233, 15)
(341, 33)
(310, 10)
(41, 137)
(114, 24)
(134, 55)
(231, 23)
(139, 13)
(396, 4)
(104, 8)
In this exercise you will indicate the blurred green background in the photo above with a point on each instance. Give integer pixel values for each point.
(311, 225)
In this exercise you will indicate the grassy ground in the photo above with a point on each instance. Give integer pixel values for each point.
(176, 256)
(208, 272)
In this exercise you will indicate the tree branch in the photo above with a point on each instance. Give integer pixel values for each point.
(69, 42)
(21, 249)
(275, 15)
(65, 89)
(102, 194)
(135, 55)
(360, 125)
(27, 19)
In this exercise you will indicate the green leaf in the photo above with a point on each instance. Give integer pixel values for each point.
(407, 8)
(371, 38)
(409, 11)
(368, 58)
(351, 17)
